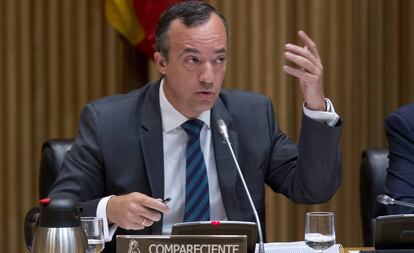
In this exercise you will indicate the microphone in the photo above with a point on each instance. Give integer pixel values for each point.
(223, 130)
(387, 200)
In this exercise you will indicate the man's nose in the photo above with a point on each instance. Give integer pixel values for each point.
(207, 73)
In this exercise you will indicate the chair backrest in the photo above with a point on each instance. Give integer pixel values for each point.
(373, 175)
(53, 154)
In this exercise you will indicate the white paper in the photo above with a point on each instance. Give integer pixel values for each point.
(295, 247)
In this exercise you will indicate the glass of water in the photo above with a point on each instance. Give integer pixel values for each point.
(93, 228)
(320, 230)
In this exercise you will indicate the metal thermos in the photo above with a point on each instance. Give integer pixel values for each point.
(55, 227)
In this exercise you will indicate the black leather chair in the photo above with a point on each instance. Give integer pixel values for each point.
(51, 160)
(372, 181)
(53, 153)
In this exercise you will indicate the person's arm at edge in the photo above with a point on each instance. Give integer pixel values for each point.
(401, 167)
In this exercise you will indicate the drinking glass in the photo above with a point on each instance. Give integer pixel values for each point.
(93, 228)
(320, 230)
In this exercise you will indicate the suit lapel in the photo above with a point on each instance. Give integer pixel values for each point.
(151, 142)
(226, 169)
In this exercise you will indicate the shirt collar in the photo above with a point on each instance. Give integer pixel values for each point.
(171, 118)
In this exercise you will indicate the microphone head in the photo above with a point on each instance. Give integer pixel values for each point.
(385, 199)
(223, 128)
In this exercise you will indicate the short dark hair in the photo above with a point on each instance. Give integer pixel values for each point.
(191, 13)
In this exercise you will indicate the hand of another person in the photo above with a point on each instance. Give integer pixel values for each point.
(309, 71)
(134, 210)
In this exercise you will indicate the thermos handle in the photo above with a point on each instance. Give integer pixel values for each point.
(31, 221)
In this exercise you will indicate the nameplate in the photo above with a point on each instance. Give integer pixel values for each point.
(181, 244)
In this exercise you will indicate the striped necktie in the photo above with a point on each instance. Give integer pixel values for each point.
(197, 204)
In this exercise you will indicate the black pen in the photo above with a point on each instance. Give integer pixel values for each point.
(166, 200)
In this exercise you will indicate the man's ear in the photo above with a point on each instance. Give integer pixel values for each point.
(161, 63)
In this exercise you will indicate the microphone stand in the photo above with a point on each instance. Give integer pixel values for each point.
(223, 130)
(387, 200)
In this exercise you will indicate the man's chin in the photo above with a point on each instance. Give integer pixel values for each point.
(203, 108)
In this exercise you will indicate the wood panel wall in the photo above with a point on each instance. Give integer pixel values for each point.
(56, 55)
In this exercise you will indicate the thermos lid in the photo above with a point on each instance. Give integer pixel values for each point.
(59, 213)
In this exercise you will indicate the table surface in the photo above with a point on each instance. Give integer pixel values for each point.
(347, 249)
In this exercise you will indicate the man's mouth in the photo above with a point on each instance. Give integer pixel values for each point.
(205, 94)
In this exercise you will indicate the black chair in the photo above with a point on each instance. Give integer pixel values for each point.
(51, 160)
(373, 174)
(53, 154)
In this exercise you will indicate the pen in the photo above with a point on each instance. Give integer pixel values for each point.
(166, 200)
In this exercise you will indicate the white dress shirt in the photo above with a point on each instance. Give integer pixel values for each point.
(175, 143)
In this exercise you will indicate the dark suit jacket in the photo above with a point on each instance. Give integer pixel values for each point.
(119, 150)
(399, 128)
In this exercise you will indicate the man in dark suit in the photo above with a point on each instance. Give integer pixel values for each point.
(399, 128)
(132, 149)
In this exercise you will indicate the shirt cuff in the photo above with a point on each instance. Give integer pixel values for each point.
(109, 231)
(328, 117)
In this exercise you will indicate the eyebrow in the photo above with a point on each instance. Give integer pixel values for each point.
(196, 51)
(190, 50)
(220, 51)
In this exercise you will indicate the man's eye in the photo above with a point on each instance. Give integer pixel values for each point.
(220, 59)
(192, 60)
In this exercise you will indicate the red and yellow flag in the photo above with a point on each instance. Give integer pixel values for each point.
(137, 20)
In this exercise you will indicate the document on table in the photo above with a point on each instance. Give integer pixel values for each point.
(295, 247)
